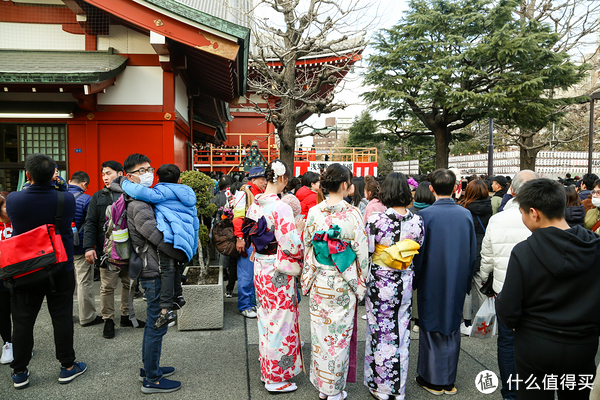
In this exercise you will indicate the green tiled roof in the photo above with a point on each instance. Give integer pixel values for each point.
(47, 67)
(240, 32)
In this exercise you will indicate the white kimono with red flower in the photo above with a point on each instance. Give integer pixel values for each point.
(333, 295)
(275, 284)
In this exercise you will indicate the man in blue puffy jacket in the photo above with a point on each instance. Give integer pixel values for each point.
(177, 219)
(84, 272)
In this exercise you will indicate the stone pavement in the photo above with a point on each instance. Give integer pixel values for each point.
(220, 364)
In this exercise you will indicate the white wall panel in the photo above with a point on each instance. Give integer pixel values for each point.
(135, 86)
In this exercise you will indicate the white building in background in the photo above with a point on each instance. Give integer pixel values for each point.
(551, 164)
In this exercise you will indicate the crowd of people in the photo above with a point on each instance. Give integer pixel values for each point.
(415, 250)
(359, 237)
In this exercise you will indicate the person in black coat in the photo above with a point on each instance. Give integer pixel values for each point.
(27, 210)
(477, 201)
(93, 243)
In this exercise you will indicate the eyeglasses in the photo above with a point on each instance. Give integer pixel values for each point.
(142, 171)
(595, 192)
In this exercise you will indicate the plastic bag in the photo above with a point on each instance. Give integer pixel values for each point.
(484, 324)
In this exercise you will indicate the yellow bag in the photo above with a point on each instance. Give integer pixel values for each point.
(400, 255)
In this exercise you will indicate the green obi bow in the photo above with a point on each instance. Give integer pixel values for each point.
(330, 250)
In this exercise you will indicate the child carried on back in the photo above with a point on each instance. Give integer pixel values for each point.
(177, 219)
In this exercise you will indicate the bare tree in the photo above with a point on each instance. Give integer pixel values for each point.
(577, 24)
(301, 52)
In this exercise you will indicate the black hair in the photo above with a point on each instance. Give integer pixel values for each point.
(168, 173)
(80, 177)
(309, 178)
(115, 166)
(596, 183)
(270, 174)
(443, 181)
(395, 191)
(359, 190)
(423, 194)
(333, 177)
(41, 168)
(235, 186)
(225, 181)
(545, 195)
(589, 180)
(293, 184)
(134, 159)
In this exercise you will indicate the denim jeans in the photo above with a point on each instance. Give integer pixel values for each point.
(245, 276)
(506, 359)
(152, 341)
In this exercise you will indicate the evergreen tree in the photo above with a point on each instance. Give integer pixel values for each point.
(449, 63)
(363, 132)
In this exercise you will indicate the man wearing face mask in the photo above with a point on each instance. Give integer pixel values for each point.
(93, 244)
(592, 217)
(148, 241)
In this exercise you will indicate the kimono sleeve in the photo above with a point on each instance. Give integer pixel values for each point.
(310, 269)
(289, 249)
(361, 249)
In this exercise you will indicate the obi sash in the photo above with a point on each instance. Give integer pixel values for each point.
(258, 234)
(330, 250)
(397, 256)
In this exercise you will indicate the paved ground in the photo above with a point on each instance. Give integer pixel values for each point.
(220, 364)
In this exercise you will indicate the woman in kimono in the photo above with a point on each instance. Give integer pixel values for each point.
(335, 268)
(389, 292)
(270, 227)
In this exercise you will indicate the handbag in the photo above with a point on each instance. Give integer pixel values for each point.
(24, 258)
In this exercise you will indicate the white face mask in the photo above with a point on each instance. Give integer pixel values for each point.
(596, 201)
(146, 179)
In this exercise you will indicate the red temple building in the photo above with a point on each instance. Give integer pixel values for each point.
(249, 127)
(86, 81)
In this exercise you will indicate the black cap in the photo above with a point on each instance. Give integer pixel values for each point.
(501, 180)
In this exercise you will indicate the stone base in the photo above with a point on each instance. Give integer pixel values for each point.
(204, 306)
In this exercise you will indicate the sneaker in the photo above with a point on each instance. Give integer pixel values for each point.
(249, 313)
(229, 294)
(165, 319)
(109, 329)
(144, 297)
(7, 354)
(21, 379)
(179, 301)
(172, 324)
(95, 321)
(164, 385)
(433, 389)
(67, 376)
(166, 371)
(126, 322)
(466, 330)
(415, 329)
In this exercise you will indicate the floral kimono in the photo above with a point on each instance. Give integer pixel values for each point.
(388, 304)
(334, 294)
(271, 229)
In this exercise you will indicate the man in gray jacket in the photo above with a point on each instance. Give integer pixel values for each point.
(148, 242)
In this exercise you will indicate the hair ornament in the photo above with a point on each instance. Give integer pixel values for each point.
(278, 170)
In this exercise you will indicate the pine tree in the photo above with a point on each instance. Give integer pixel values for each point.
(449, 63)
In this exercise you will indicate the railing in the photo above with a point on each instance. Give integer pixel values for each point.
(231, 158)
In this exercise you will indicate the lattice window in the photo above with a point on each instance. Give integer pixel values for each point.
(46, 139)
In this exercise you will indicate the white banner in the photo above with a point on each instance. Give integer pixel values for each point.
(318, 166)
